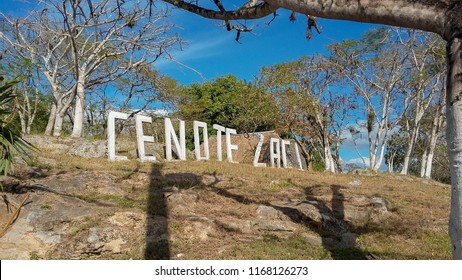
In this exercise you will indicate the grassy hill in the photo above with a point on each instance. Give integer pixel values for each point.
(96, 209)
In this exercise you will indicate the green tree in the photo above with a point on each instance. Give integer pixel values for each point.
(229, 102)
(226, 101)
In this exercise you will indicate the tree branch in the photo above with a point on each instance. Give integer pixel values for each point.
(250, 10)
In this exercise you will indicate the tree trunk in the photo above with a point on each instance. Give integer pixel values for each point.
(390, 165)
(305, 152)
(429, 164)
(328, 158)
(431, 149)
(423, 162)
(51, 120)
(409, 150)
(22, 121)
(79, 109)
(454, 140)
(58, 125)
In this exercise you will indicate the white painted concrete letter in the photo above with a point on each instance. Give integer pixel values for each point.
(111, 134)
(275, 152)
(230, 147)
(169, 135)
(284, 143)
(219, 130)
(299, 160)
(141, 138)
(197, 145)
(258, 151)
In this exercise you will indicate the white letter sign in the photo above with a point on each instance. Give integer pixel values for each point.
(275, 152)
(169, 135)
(219, 130)
(111, 134)
(284, 143)
(230, 147)
(141, 138)
(257, 153)
(197, 146)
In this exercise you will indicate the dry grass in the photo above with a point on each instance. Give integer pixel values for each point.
(417, 228)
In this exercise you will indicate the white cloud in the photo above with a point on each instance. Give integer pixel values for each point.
(358, 162)
(204, 47)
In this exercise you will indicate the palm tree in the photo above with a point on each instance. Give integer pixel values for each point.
(11, 142)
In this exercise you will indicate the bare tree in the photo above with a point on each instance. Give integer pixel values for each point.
(39, 39)
(373, 67)
(116, 37)
(437, 16)
(81, 44)
(423, 83)
(436, 116)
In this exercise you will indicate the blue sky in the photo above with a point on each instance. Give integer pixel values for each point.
(211, 51)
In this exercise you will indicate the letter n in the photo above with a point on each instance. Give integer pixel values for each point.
(171, 135)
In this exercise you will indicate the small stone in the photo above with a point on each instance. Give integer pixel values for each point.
(313, 239)
(355, 182)
(267, 212)
(114, 246)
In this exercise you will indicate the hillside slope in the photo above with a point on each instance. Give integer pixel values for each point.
(95, 209)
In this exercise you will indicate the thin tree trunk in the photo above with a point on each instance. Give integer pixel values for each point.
(51, 120)
(454, 140)
(305, 152)
(79, 110)
(431, 150)
(423, 162)
(328, 158)
(22, 121)
(409, 150)
(390, 166)
(429, 164)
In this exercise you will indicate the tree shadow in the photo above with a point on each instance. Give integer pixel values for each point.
(157, 245)
(338, 235)
(161, 186)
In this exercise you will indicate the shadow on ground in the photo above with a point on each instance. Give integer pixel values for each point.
(157, 235)
(331, 235)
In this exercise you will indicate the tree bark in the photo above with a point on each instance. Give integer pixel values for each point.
(409, 150)
(58, 125)
(305, 152)
(454, 140)
(423, 162)
(51, 120)
(429, 163)
(79, 109)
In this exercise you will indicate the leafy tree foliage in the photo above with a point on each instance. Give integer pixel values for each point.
(229, 102)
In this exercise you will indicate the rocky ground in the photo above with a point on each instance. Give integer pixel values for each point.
(84, 207)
